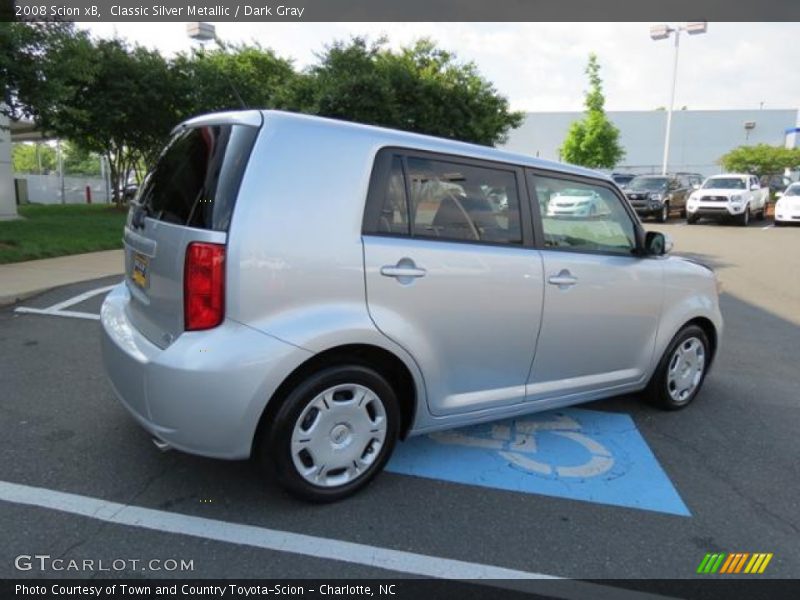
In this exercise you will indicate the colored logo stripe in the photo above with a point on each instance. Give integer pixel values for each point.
(735, 562)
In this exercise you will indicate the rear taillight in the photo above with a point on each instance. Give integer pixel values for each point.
(203, 286)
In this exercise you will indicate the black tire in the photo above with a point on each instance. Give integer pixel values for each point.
(692, 219)
(743, 220)
(762, 214)
(683, 213)
(779, 223)
(277, 449)
(663, 216)
(658, 390)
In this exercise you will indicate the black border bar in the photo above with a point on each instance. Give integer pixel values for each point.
(721, 588)
(399, 10)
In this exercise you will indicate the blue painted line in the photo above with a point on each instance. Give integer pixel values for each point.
(571, 453)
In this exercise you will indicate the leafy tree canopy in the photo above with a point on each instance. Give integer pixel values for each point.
(761, 159)
(419, 88)
(594, 140)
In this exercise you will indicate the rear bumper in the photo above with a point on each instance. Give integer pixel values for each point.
(203, 394)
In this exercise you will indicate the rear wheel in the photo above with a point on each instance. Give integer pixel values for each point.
(681, 371)
(762, 214)
(333, 433)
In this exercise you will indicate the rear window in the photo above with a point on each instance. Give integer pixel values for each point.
(196, 179)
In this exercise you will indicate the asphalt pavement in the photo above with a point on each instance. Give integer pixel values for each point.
(731, 458)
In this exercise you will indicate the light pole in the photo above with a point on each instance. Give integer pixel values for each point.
(662, 32)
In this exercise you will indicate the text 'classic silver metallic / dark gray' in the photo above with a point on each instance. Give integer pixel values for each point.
(310, 291)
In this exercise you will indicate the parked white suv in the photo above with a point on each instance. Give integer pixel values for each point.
(310, 291)
(731, 196)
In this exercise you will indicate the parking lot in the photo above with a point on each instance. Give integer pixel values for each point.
(611, 489)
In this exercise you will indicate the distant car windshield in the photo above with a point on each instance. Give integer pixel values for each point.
(792, 190)
(622, 178)
(724, 183)
(648, 183)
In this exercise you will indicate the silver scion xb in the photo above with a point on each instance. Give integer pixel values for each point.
(309, 291)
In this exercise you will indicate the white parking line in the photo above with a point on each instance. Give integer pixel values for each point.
(297, 543)
(57, 313)
(57, 310)
(767, 227)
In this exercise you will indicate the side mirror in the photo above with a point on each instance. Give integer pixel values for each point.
(755, 187)
(657, 243)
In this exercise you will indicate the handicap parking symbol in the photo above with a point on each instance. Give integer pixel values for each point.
(572, 453)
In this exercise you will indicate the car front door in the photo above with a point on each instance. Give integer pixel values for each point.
(602, 301)
(452, 275)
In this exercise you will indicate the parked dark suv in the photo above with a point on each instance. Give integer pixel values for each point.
(659, 196)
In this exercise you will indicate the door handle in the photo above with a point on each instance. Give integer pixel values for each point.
(563, 280)
(405, 271)
(399, 272)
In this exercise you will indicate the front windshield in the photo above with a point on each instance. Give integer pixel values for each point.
(724, 183)
(648, 183)
(792, 190)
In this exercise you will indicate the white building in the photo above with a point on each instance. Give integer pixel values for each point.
(699, 137)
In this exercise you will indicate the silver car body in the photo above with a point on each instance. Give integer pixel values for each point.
(483, 334)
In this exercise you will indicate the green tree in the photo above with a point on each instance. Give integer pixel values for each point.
(594, 140)
(761, 159)
(27, 157)
(218, 79)
(41, 64)
(79, 161)
(105, 96)
(419, 88)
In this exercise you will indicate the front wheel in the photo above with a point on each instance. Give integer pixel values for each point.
(692, 219)
(744, 219)
(681, 371)
(333, 433)
(664, 214)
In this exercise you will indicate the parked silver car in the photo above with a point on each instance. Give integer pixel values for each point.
(309, 291)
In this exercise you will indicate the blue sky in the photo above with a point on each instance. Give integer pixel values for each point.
(539, 66)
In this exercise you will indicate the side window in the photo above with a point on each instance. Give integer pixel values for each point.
(583, 217)
(452, 201)
(394, 208)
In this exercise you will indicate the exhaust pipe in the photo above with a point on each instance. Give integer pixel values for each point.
(161, 445)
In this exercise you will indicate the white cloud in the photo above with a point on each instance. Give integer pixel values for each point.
(539, 66)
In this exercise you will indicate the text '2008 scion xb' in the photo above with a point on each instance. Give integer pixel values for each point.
(309, 291)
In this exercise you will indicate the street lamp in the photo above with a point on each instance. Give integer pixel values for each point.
(202, 32)
(206, 32)
(662, 32)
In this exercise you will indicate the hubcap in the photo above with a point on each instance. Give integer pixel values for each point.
(339, 435)
(686, 368)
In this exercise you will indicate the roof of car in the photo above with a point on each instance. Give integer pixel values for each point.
(730, 175)
(395, 137)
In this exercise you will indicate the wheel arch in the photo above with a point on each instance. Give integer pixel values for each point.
(382, 360)
(710, 330)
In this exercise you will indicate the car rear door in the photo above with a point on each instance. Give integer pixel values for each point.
(188, 196)
(451, 275)
(602, 302)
